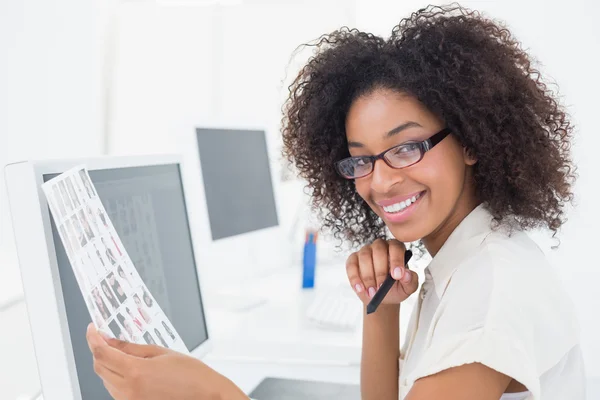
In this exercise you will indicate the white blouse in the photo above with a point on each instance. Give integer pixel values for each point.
(493, 298)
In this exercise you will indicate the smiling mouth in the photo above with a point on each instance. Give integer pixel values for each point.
(402, 205)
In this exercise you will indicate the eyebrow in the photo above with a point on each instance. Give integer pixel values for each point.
(393, 132)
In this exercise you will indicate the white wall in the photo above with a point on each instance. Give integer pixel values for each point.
(50, 106)
(563, 37)
(178, 66)
(50, 91)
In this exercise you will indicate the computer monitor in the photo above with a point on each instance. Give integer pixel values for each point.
(239, 199)
(146, 201)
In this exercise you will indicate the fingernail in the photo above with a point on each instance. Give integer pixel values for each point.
(358, 288)
(397, 273)
(371, 292)
(406, 277)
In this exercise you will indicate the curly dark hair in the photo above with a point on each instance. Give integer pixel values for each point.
(465, 68)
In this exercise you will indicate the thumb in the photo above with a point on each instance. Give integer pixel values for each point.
(137, 350)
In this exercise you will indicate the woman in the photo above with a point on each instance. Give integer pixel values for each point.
(147, 299)
(125, 324)
(168, 330)
(141, 309)
(109, 295)
(123, 276)
(135, 319)
(100, 305)
(116, 287)
(117, 331)
(446, 135)
(160, 337)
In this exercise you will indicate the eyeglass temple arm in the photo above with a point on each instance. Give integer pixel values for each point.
(435, 139)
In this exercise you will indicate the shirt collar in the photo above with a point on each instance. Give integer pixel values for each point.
(466, 237)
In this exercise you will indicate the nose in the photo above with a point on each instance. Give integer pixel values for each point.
(384, 177)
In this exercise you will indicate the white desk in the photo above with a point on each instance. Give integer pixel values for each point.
(280, 321)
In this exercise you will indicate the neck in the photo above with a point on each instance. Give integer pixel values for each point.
(466, 203)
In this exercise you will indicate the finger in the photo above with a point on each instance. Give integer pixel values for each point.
(113, 359)
(107, 375)
(367, 271)
(381, 264)
(94, 338)
(396, 252)
(354, 274)
(137, 350)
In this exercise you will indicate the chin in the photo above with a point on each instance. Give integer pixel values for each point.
(402, 235)
(406, 232)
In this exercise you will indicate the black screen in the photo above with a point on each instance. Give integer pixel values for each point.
(147, 207)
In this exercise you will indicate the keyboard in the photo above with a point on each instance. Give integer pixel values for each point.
(336, 308)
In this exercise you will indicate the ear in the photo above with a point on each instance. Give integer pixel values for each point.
(469, 156)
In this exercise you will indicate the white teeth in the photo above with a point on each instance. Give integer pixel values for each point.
(401, 205)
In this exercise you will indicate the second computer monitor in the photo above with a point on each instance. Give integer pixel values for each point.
(237, 181)
(240, 196)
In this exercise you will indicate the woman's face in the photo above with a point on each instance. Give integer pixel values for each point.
(439, 178)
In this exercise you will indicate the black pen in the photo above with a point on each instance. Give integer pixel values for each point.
(386, 286)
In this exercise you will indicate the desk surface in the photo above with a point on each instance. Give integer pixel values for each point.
(281, 319)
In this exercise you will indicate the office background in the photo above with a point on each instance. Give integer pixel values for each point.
(94, 77)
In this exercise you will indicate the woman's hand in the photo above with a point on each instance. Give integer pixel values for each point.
(134, 372)
(368, 268)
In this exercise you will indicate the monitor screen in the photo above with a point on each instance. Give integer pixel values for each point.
(237, 181)
(148, 209)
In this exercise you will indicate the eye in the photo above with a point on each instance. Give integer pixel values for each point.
(407, 148)
(361, 162)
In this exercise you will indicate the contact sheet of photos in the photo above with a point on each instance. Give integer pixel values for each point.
(115, 295)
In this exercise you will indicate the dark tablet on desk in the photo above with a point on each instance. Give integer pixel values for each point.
(292, 389)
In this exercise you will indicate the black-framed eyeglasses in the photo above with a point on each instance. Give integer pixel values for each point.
(401, 156)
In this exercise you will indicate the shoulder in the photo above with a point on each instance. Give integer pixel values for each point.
(506, 263)
(505, 270)
(507, 286)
